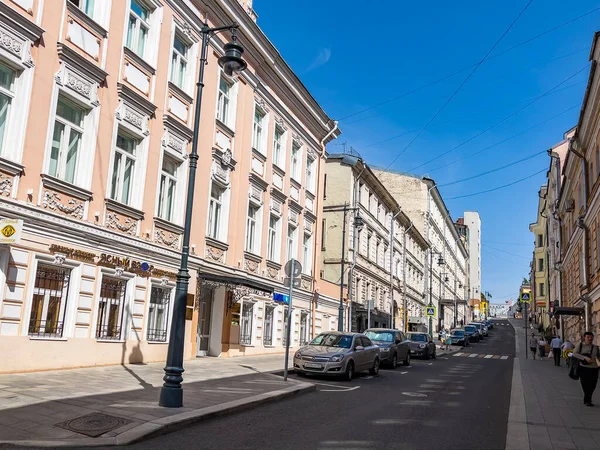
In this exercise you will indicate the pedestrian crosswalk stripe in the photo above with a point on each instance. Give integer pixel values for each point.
(458, 354)
(481, 356)
(472, 355)
(488, 356)
(504, 357)
(496, 357)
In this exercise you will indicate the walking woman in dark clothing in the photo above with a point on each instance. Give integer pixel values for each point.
(587, 353)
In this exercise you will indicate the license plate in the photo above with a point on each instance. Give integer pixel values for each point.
(312, 365)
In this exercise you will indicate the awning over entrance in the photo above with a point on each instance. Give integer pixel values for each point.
(238, 287)
(568, 311)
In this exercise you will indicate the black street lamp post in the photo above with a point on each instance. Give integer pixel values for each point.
(358, 224)
(171, 393)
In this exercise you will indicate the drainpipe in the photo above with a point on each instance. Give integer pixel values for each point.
(391, 249)
(581, 224)
(404, 303)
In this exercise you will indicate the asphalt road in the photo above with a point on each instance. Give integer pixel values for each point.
(454, 402)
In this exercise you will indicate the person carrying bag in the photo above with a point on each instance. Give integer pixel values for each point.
(585, 366)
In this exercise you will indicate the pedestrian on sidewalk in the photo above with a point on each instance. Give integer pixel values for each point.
(567, 348)
(542, 346)
(555, 347)
(533, 344)
(587, 354)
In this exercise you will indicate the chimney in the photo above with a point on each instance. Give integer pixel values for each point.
(247, 5)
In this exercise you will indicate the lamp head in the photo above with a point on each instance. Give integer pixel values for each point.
(232, 62)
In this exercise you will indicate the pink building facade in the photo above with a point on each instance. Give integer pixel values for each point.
(96, 119)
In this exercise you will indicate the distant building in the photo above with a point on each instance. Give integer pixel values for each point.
(539, 278)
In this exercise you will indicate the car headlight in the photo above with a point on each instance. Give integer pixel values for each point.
(384, 350)
(337, 358)
(298, 355)
(421, 345)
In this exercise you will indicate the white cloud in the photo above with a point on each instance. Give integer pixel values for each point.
(321, 59)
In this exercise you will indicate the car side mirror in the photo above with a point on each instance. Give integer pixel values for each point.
(359, 348)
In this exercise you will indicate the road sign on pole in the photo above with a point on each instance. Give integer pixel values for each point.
(525, 297)
(297, 282)
(292, 269)
(430, 311)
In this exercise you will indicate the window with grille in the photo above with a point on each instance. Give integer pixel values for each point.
(49, 301)
(246, 328)
(268, 326)
(158, 314)
(111, 308)
(303, 329)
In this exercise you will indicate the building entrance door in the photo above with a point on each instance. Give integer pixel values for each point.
(204, 316)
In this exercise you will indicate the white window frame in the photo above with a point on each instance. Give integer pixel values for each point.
(310, 175)
(135, 157)
(85, 163)
(295, 169)
(72, 293)
(307, 253)
(259, 142)
(159, 284)
(279, 161)
(291, 241)
(222, 226)
(252, 304)
(150, 54)
(180, 58)
(68, 127)
(273, 240)
(252, 244)
(12, 96)
(128, 299)
(180, 186)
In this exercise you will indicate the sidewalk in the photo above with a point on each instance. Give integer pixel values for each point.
(118, 404)
(546, 408)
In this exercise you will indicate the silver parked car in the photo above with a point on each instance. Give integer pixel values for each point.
(336, 353)
(393, 345)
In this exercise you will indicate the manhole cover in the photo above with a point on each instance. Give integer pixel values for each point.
(414, 394)
(94, 424)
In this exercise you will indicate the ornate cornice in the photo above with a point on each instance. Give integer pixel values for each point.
(11, 167)
(87, 20)
(57, 184)
(81, 64)
(180, 92)
(173, 124)
(124, 209)
(136, 100)
(20, 23)
(139, 60)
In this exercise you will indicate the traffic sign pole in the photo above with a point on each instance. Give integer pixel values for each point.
(289, 322)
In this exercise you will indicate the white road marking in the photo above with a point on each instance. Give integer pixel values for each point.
(341, 390)
(367, 378)
(472, 355)
(487, 356)
(414, 394)
(458, 354)
(430, 364)
(504, 357)
(402, 373)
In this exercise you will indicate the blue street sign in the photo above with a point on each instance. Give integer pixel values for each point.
(145, 266)
(430, 311)
(281, 298)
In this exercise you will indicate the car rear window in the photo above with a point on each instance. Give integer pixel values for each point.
(417, 337)
(469, 328)
(380, 336)
(458, 333)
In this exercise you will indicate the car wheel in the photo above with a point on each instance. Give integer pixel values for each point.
(395, 361)
(349, 374)
(406, 362)
(375, 369)
(426, 355)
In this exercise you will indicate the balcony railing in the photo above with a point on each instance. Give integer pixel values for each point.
(157, 335)
(108, 332)
(45, 329)
(246, 338)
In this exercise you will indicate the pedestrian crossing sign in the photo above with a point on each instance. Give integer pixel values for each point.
(430, 311)
(525, 297)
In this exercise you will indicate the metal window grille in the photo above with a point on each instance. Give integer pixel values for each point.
(110, 309)
(160, 299)
(268, 327)
(246, 331)
(303, 323)
(285, 323)
(49, 302)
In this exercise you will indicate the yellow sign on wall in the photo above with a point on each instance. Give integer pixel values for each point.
(10, 231)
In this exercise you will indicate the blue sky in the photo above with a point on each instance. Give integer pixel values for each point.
(352, 55)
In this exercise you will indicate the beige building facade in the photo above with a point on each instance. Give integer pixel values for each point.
(381, 266)
(446, 266)
(539, 264)
(99, 100)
